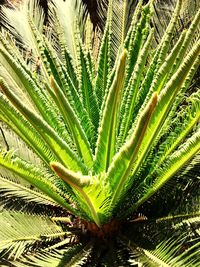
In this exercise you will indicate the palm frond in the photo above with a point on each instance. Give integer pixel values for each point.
(51, 137)
(11, 141)
(178, 195)
(129, 152)
(10, 189)
(46, 259)
(171, 252)
(107, 132)
(24, 130)
(86, 88)
(110, 120)
(103, 66)
(118, 11)
(178, 159)
(70, 26)
(39, 178)
(129, 98)
(19, 231)
(71, 257)
(20, 21)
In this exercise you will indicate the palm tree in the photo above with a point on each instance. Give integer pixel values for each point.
(100, 138)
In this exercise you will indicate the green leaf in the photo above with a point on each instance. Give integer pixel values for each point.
(187, 41)
(74, 125)
(35, 176)
(10, 189)
(23, 83)
(19, 231)
(108, 129)
(175, 162)
(163, 72)
(137, 41)
(78, 182)
(73, 256)
(132, 29)
(87, 92)
(24, 130)
(103, 67)
(166, 39)
(131, 92)
(186, 120)
(56, 144)
(169, 253)
(59, 72)
(165, 102)
(124, 160)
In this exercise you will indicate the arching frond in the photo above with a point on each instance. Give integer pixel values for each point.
(44, 181)
(169, 253)
(69, 26)
(177, 160)
(18, 19)
(74, 256)
(10, 189)
(19, 231)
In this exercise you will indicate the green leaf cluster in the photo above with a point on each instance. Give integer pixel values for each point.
(109, 120)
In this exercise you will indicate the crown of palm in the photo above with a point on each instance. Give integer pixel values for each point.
(105, 117)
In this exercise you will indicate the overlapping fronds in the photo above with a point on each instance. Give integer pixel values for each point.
(128, 131)
(109, 117)
(172, 240)
(171, 252)
(75, 256)
(10, 189)
(20, 231)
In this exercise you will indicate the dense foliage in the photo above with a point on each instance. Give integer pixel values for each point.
(100, 138)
